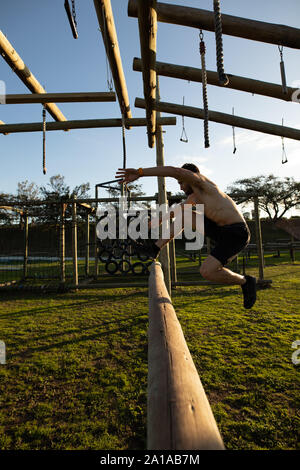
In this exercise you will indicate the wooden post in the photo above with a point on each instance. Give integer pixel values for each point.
(25, 262)
(231, 25)
(147, 19)
(87, 244)
(62, 243)
(179, 414)
(13, 59)
(82, 124)
(228, 119)
(74, 243)
(110, 40)
(235, 82)
(96, 264)
(82, 97)
(162, 197)
(172, 252)
(259, 239)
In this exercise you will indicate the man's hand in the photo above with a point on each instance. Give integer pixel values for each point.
(128, 175)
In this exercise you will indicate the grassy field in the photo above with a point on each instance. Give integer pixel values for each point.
(76, 368)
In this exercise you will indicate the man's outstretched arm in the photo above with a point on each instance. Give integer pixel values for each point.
(181, 174)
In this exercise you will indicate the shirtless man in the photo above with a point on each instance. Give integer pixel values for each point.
(223, 223)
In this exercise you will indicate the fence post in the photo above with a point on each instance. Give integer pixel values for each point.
(62, 243)
(25, 263)
(74, 243)
(259, 239)
(87, 241)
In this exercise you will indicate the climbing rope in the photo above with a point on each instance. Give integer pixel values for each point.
(204, 89)
(284, 157)
(233, 135)
(223, 79)
(184, 137)
(282, 71)
(44, 140)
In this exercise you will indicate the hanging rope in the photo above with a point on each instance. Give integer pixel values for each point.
(109, 78)
(284, 157)
(223, 79)
(124, 149)
(183, 137)
(44, 140)
(204, 89)
(233, 135)
(282, 71)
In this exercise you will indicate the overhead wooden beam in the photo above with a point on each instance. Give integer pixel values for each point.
(179, 416)
(110, 40)
(82, 97)
(85, 124)
(17, 65)
(236, 82)
(228, 119)
(147, 19)
(231, 25)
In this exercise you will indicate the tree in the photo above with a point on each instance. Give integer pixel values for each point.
(27, 191)
(276, 195)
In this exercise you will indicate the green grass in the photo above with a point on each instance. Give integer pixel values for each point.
(76, 369)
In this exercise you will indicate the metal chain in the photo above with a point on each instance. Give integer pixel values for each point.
(204, 89)
(219, 44)
(74, 12)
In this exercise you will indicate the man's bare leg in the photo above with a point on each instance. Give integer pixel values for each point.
(213, 270)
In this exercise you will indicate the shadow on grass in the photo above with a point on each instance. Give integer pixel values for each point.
(30, 351)
(92, 302)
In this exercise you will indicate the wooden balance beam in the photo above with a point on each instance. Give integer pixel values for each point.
(179, 414)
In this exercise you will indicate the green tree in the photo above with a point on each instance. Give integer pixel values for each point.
(276, 195)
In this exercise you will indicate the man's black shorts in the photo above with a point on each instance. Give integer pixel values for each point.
(228, 240)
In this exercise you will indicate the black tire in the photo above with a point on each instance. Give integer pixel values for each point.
(104, 255)
(111, 267)
(125, 266)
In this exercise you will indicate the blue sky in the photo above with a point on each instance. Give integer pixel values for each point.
(40, 33)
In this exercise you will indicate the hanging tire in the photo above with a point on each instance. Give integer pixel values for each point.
(111, 267)
(138, 268)
(125, 266)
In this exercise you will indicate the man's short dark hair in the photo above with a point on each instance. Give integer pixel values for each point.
(191, 167)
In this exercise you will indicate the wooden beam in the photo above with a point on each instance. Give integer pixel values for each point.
(85, 124)
(235, 82)
(147, 19)
(179, 414)
(83, 97)
(222, 118)
(17, 65)
(110, 39)
(231, 25)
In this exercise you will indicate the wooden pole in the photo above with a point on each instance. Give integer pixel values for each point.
(147, 19)
(110, 40)
(235, 82)
(259, 239)
(87, 244)
(222, 118)
(162, 197)
(15, 62)
(74, 243)
(231, 25)
(83, 97)
(96, 265)
(25, 262)
(82, 124)
(172, 251)
(179, 414)
(62, 243)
